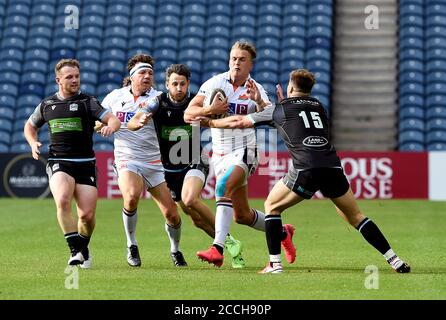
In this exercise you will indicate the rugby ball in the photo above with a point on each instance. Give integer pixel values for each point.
(216, 93)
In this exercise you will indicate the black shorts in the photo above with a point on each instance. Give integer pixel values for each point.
(330, 181)
(175, 180)
(83, 172)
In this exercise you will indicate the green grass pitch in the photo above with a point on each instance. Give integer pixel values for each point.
(331, 256)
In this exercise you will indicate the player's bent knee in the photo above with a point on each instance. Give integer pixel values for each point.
(171, 215)
(191, 202)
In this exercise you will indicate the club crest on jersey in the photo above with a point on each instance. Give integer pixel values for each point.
(142, 105)
(238, 108)
(124, 116)
(73, 107)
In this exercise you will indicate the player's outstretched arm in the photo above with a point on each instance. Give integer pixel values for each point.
(139, 120)
(232, 122)
(111, 124)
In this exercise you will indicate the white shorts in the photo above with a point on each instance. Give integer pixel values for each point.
(247, 159)
(151, 174)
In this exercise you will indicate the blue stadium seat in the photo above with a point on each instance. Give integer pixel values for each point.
(4, 147)
(321, 89)
(5, 137)
(166, 31)
(37, 54)
(268, 42)
(411, 124)
(169, 9)
(10, 88)
(412, 31)
(435, 31)
(34, 77)
(142, 21)
(13, 43)
(193, 20)
(411, 20)
(64, 43)
(142, 32)
(294, 42)
(267, 65)
(140, 43)
(436, 124)
(17, 32)
(115, 43)
(318, 65)
(409, 136)
(289, 65)
(411, 88)
(242, 32)
(18, 9)
(165, 54)
(6, 112)
(50, 89)
(117, 21)
(411, 54)
(43, 9)
(265, 30)
(436, 147)
(18, 137)
(22, 115)
(20, 148)
(432, 9)
(19, 123)
(436, 65)
(41, 21)
(411, 43)
(435, 54)
(168, 20)
(412, 147)
(193, 31)
(191, 43)
(89, 77)
(9, 77)
(87, 54)
(62, 54)
(216, 54)
(28, 101)
(89, 65)
(411, 77)
(166, 43)
(295, 8)
(323, 77)
(317, 53)
(436, 112)
(38, 43)
(219, 8)
(12, 54)
(412, 100)
(5, 125)
(320, 9)
(411, 65)
(121, 9)
(190, 54)
(317, 20)
(266, 77)
(62, 32)
(113, 55)
(267, 7)
(218, 31)
(7, 101)
(269, 54)
(96, 21)
(245, 20)
(411, 112)
(116, 32)
(195, 68)
(33, 88)
(435, 88)
(105, 88)
(436, 136)
(219, 20)
(319, 42)
(217, 43)
(435, 43)
(436, 20)
(10, 65)
(144, 8)
(17, 20)
(217, 66)
(408, 9)
(93, 32)
(88, 88)
(109, 65)
(292, 54)
(320, 31)
(191, 8)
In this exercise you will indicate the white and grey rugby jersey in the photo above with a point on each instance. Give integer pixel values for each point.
(225, 141)
(141, 145)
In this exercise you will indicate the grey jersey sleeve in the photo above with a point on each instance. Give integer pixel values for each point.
(36, 117)
(266, 115)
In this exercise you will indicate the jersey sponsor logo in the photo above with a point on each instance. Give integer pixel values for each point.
(314, 141)
(73, 107)
(243, 97)
(124, 116)
(238, 108)
(176, 133)
(65, 125)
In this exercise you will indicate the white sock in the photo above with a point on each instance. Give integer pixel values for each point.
(389, 254)
(275, 258)
(223, 218)
(174, 234)
(393, 259)
(259, 221)
(130, 219)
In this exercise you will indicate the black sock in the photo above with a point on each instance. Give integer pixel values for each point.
(219, 248)
(373, 235)
(274, 233)
(84, 241)
(73, 241)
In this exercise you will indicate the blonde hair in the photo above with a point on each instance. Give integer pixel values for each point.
(66, 62)
(245, 45)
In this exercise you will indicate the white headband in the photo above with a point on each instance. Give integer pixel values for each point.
(140, 66)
